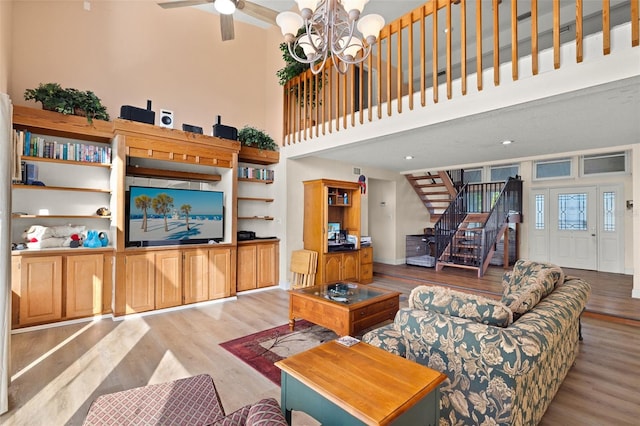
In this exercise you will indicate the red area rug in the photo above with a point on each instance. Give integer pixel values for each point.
(262, 349)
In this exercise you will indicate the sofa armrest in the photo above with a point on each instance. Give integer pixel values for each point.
(266, 412)
(388, 338)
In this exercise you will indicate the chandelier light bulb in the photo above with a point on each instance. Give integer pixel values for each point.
(307, 43)
(370, 26)
(350, 5)
(225, 7)
(353, 48)
(289, 23)
(307, 7)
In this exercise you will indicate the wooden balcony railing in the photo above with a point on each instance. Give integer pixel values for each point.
(425, 50)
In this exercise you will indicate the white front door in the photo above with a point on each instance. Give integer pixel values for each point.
(580, 227)
(573, 227)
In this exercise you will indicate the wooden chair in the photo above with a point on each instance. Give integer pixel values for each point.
(303, 268)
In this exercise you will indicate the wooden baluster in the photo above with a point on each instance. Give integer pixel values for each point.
(514, 39)
(556, 34)
(434, 50)
(379, 67)
(496, 43)
(360, 91)
(635, 23)
(606, 27)
(448, 54)
(423, 59)
(330, 103)
(463, 45)
(399, 67)
(534, 37)
(579, 34)
(389, 75)
(370, 87)
(479, 43)
(344, 100)
(410, 76)
(324, 104)
(352, 96)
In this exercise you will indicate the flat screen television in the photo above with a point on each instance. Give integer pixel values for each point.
(165, 216)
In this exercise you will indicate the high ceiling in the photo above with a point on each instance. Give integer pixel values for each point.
(599, 117)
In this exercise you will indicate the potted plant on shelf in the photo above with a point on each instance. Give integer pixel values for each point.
(68, 101)
(256, 146)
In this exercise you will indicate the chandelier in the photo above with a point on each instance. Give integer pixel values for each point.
(329, 28)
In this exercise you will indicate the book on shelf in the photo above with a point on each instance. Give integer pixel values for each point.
(31, 145)
(255, 173)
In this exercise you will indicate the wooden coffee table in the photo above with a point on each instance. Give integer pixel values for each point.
(352, 309)
(361, 384)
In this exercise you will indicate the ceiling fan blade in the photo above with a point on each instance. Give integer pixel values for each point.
(183, 3)
(226, 27)
(257, 11)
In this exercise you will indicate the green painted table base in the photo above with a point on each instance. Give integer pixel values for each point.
(297, 396)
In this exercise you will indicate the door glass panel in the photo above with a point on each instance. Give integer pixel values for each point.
(539, 211)
(572, 212)
(609, 213)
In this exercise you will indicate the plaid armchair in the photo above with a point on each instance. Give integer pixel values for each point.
(190, 401)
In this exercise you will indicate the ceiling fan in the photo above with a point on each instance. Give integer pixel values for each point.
(226, 9)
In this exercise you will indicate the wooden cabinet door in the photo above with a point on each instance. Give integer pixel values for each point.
(84, 274)
(139, 283)
(332, 268)
(107, 282)
(40, 289)
(267, 264)
(350, 263)
(220, 273)
(196, 275)
(247, 268)
(168, 266)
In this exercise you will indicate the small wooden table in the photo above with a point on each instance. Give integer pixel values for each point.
(361, 384)
(363, 307)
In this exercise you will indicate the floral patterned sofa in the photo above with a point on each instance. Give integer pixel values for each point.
(505, 360)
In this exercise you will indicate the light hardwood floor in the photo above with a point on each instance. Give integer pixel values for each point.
(57, 372)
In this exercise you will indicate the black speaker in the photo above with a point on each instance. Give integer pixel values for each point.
(191, 128)
(140, 115)
(226, 132)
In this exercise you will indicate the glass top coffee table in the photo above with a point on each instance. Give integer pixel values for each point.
(345, 308)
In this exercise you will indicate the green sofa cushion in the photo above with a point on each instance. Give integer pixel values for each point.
(529, 283)
(462, 305)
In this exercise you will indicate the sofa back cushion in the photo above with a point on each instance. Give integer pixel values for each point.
(462, 305)
(529, 283)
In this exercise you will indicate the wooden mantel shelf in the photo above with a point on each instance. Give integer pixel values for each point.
(258, 156)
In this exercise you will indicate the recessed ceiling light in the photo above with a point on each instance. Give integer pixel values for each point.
(408, 157)
(507, 142)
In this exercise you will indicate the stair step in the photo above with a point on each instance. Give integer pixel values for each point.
(420, 177)
(439, 193)
(429, 185)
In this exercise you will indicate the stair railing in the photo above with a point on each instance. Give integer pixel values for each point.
(499, 199)
(508, 203)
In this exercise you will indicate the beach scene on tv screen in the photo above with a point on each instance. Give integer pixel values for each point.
(161, 214)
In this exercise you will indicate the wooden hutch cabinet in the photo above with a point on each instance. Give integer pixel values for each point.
(330, 205)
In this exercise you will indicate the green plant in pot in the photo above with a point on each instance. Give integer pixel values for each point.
(68, 101)
(52, 96)
(255, 138)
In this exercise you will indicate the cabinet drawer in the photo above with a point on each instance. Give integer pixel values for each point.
(382, 307)
(366, 255)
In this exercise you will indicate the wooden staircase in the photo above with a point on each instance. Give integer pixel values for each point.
(465, 249)
(435, 190)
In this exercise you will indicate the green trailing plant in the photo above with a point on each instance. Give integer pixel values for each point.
(68, 101)
(255, 138)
